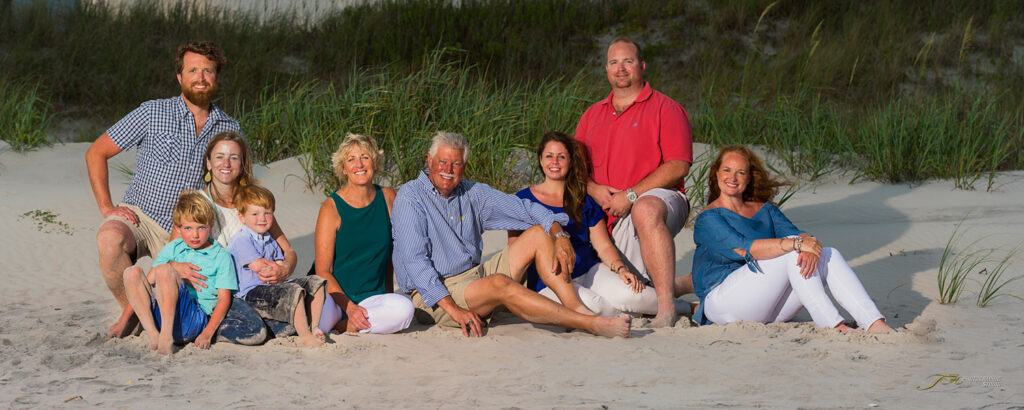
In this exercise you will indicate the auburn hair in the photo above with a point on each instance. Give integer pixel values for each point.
(762, 187)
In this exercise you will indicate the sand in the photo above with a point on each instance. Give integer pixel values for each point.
(55, 310)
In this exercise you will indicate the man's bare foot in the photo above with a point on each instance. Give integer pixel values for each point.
(319, 335)
(124, 325)
(842, 327)
(612, 326)
(880, 327)
(165, 347)
(663, 319)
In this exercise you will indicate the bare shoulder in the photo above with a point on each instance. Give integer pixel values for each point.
(389, 194)
(328, 209)
(714, 204)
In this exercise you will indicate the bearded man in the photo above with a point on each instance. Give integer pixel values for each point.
(171, 137)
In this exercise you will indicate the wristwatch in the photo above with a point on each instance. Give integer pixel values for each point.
(561, 234)
(630, 195)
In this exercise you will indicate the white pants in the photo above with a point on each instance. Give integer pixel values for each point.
(387, 313)
(605, 294)
(778, 294)
(624, 232)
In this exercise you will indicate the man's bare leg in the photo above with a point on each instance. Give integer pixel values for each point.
(535, 246)
(659, 253)
(140, 293)
(683, 285)
(485, 294)
(116, 245)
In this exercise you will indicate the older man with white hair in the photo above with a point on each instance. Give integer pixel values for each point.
(438, 222)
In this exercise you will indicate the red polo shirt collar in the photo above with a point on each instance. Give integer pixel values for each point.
(644, 95)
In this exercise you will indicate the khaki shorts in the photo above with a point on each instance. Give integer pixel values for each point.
(498, 264)
(150, 237)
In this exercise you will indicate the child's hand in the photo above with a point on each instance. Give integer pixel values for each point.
(203, 341)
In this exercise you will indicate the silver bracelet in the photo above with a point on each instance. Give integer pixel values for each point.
(799, 240)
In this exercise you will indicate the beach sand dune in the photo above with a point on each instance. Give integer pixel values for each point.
(54, 309)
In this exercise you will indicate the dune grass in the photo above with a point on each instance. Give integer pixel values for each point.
(956, 137)
(24, 115)
(403, 111)
(956, 265)
(899, 91)
(994, 282)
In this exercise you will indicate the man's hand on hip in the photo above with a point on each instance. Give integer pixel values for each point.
(601, 193)
(123, 212)
(619, 205)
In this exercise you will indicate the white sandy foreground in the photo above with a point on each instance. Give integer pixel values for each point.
(54, 310)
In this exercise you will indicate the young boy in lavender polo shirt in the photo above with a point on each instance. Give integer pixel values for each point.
(255, 251)
(176, 312)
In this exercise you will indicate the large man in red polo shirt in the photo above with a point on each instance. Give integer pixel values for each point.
(641, 148)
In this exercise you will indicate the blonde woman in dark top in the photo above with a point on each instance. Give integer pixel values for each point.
(353, 246)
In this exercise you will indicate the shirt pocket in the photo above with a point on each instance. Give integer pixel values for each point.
(165, 148)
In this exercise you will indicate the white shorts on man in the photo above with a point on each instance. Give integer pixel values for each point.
(601, 290)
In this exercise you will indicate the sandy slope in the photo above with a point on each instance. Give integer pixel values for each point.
(55, 308)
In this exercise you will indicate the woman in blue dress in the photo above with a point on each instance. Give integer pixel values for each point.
(753, 264)
(603, 282)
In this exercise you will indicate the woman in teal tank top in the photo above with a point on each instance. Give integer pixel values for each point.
(353, 245)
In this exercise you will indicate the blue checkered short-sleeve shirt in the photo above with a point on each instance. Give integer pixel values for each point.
(170, 157)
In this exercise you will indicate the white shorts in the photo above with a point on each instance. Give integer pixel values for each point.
(624, 233)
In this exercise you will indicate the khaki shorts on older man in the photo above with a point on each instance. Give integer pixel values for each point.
(150, 237)
(498, 264)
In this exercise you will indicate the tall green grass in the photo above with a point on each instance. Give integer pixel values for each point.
(24, 115)
(994, 282)
(899, 91)
(956, 265)
(104, 60)
(958, 137)
(403, 111)
(909, 139)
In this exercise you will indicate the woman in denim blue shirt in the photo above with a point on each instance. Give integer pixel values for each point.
(753, 264)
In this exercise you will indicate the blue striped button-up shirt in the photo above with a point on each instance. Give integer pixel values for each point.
(437, 237)
(170, 158)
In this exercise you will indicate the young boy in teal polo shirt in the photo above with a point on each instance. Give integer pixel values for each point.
(177, 312)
